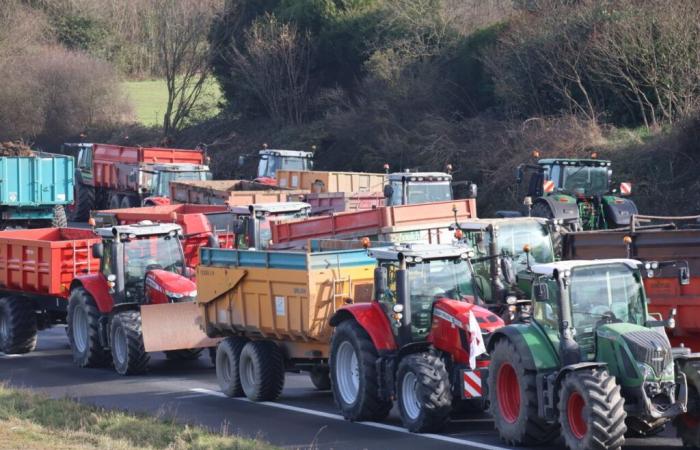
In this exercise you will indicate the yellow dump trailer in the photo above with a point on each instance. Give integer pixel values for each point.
(273, 308)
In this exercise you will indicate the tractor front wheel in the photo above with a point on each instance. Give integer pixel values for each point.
(354, 374)
(513, 399)
(424, 392)
(591, 411)
(128, 352)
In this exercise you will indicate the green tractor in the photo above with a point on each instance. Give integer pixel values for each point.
(590, 364)
(577, 192)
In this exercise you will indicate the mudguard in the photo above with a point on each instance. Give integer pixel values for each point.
(536, 349)
(563, 207)
(373, 319)
(618, 210)
(96, 285)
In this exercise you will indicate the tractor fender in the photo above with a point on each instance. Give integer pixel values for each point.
(96, 285)
(576, 367)
(563, 207)
(372, 318)
(535, 349)
(618, 210)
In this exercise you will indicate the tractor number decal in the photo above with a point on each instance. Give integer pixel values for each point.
(447, 317)
(472, 384)
(548, 186)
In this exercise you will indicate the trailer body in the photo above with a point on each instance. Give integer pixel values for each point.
(34, 188)
(663, 289)
(320, 181)
(229, 192)
(333, 202)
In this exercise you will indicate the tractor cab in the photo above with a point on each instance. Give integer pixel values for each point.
(408, 188)
(159, 176)
(273, 160)
(144, 264)
(577, 177)
(252, 222)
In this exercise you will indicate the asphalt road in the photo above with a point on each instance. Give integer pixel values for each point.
(302, 418)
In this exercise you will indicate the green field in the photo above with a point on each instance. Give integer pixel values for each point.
(149, 98)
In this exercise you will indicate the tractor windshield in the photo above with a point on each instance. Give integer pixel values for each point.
(142, 255)
(421, 192)
(586, 180)
(165, 177)
(269, 164)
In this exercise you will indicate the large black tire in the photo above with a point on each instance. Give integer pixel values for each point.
(83, 330)
(424, 392)
(513, 399)
(261, 369)
(129, 202)
(115, 201)
(591, 411)
(191, 354)
(18, 325)
(128, 352)
(59, 217)
(228, 355)
(321, 377)
(688, 424)
(361, 402)
(84, 203)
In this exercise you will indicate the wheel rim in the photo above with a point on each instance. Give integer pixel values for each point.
(508, 393)
(409, 395)
(80, 329)
(4, 328)
(347, 371)
(574, 410)
(119, 345)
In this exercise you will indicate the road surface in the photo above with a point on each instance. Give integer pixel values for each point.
(302, 418)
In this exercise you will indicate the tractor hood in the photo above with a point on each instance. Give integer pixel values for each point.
(457, 312)
(168, 287)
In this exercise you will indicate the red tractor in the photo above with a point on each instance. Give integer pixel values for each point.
(140, 265)
(421, 341)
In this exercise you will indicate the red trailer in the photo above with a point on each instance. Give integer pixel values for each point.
(36, 270)
(112, 176)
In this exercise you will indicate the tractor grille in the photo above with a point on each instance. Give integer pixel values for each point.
(650, 347)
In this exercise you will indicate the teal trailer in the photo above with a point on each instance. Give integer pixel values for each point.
(34, 190)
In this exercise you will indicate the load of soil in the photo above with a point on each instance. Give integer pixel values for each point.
(15, 149)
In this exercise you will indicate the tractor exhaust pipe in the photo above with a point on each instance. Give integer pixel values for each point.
(569, 348)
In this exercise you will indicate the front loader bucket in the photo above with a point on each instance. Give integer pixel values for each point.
(173, 326)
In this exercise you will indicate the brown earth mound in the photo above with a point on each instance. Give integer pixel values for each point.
(15, 149)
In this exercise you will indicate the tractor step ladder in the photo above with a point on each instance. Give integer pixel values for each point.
(341, 283)
(76, 251)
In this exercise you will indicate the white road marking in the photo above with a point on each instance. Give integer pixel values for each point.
(382, 426)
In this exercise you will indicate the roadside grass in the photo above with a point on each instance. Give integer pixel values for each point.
(31, 421)
(149, 98)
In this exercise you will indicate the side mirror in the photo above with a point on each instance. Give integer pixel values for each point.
(380, 282)
(519, 174)
(684, 275)
(472, 190)
(541, 292)
(508, 270)
(388, 191)
(241, 160)
(98, 250)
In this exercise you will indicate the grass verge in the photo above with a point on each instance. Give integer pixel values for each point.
(31, 421)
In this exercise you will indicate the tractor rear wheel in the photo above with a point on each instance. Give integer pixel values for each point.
(18, 325)
(424, 392)
(190, 354)
(261, 369)
(84, 330)
(354, 374)
(228, 356)
(128, 352)
(59, 217)
(591, 411)
(688, 424)
(84, 203)
(321, 377)
(513, 398)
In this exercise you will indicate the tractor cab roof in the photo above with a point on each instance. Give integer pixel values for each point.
(422, 251)
(288, 153)
(420, 176)
(574, 162)
(483, 224)
(272, 208)
(548, 268)
(143, 228)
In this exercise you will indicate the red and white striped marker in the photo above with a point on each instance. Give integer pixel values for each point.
(625, 188)
(548, 186)
(472, 384)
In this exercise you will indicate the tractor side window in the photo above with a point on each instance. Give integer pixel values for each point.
(106, 261)
(388, 297)
(397, 197)
(547, 305)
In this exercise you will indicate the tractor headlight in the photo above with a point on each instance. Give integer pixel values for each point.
(647, 372)
(179, 295)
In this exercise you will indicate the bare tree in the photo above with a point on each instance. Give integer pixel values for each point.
(180, 34)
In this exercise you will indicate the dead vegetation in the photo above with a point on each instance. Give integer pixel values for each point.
(16, 148)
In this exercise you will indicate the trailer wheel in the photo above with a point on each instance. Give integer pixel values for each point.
(59, 217)
(18, 325)
(424, 392)
(354, 374)
(228, 356)
(83, 330)
(321, 377)
(592, 411)
(190, 354)
(128, 353)
(84, 203)
(261, 368)
(513, 399)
